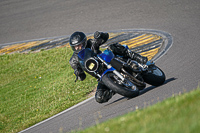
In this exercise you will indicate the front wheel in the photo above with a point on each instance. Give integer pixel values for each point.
(155, 76)
(124, 88)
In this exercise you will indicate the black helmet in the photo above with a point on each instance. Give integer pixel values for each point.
(76, 39)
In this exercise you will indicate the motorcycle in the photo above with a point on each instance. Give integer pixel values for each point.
(122, 75)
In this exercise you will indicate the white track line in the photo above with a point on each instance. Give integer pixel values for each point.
(58, 114)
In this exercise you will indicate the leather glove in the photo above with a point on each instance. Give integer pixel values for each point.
(101, 35)
(77, 72)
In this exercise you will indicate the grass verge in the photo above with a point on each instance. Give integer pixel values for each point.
(179, 114)
(36, 86)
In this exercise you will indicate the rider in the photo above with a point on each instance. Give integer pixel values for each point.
(78, 41)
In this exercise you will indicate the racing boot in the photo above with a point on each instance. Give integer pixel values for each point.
(137, 57)
(103, 94)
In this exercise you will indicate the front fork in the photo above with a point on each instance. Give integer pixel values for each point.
(110, 68)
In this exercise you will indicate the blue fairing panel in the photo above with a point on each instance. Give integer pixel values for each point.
(107, 55)
(125, 46)
(81, 54)
(108, 70)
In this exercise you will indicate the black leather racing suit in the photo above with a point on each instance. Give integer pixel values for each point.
(103, 94)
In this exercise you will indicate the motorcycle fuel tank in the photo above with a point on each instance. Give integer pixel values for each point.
(107, 55)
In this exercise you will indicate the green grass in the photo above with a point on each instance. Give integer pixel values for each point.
(35, 86)
(179, 114)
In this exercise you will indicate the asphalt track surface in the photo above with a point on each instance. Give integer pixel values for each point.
(24, 20)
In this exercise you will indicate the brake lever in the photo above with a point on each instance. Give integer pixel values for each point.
(144, 67)
(149, 63)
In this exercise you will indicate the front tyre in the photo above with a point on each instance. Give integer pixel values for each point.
(124, 88)
(155, 76)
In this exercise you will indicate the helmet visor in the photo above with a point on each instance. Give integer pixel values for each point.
(77, 48)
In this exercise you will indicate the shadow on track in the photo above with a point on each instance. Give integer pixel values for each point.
(153, 87)
(143, 91)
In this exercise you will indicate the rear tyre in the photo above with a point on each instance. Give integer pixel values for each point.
(125, 88)
(155, 76)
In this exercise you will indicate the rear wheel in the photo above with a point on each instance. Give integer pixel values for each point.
(125, 88)
(155, 76)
